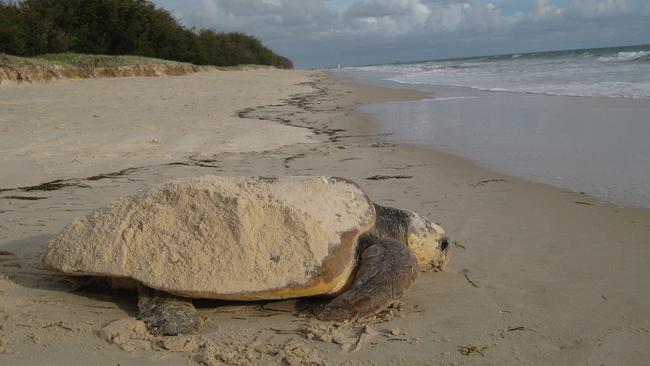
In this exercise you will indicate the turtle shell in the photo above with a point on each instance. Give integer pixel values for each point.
(233, 238)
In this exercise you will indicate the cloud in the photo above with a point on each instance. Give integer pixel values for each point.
(267, 19)
(599, 8)
(386, 16)
(319, 32)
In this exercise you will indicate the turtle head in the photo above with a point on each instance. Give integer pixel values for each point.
(428, 242)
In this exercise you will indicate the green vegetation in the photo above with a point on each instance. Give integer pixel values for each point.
(81, 60)
(119, 27)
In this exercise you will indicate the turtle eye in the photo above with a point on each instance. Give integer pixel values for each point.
(444, 244)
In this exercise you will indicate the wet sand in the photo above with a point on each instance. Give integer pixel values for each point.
(584, 144)
(539, 276)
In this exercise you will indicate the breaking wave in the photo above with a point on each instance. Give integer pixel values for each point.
(627, 56)
(621, 72)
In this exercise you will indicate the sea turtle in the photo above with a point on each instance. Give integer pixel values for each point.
(250, 238)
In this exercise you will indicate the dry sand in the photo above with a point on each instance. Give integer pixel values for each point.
(539, 276)
(82, 128)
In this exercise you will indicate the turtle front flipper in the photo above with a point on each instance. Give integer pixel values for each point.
(387, 268)
(166, 314)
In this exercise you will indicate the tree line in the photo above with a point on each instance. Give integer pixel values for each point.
(122, 27)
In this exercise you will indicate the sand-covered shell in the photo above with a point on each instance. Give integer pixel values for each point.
(239, 238)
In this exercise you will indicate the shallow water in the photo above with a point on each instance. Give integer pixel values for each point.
(576, 119)
(600, 146)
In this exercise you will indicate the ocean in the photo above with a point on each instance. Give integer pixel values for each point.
(577, 119)
(604, 72)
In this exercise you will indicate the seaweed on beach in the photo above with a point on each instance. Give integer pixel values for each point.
(384, 177)
(121, 173)
(54, 185)
(292, 158)
(23, 198)
(471, 349)
(583, 203)
(469, 280)
(486, 181)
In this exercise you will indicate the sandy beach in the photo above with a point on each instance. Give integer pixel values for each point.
(538, 275)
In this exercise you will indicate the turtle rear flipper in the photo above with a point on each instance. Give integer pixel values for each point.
(166, 314)
(387, 268)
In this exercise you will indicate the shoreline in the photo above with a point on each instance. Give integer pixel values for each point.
(531, 269)
(585, 155)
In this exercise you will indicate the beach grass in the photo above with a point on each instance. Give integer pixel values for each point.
(81, 60)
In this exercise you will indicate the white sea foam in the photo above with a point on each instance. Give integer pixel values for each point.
(621, 73)
(627, 56)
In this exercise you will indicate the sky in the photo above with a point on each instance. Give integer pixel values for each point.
(324, 33)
